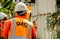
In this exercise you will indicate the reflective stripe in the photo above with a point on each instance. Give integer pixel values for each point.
(13, 26)
(16, 37)
(29, 29)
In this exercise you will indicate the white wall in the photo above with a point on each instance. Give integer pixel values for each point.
(44, 6)
(40, 9)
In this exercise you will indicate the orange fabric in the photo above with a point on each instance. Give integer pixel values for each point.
(2, 26)
(19, 30)
(0, 30)
(7, 27)
(29, 7)
(34, 33)
(18, 16)
(23, 30)
(27, 16)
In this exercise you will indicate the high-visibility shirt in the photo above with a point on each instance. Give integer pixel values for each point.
(0, 30)
(17, 28)
(27, 16)
(2, 27)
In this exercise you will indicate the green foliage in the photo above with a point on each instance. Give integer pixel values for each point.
(27, 1)
(58, 34)
(7, 6)
(54, 21)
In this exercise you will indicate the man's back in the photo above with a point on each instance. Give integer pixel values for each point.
(19, 28)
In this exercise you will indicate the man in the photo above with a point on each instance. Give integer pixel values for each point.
(35, 29)
(3, 18)
(19, 27)
(35, 24)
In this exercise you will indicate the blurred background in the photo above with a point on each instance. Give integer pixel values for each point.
(46, 13)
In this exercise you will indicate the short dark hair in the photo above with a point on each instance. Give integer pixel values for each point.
(18, 12)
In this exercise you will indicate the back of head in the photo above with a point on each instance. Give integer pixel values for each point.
(20, 7)
(2, 15)
(22, 10)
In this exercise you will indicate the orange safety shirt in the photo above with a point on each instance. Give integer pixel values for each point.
(16, 29)
(2, 27)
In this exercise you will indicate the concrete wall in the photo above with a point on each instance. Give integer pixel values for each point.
(40, 9)
(44, 6)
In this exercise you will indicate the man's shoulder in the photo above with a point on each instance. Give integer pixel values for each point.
(28, 22)
(9, 20)
(24, 20)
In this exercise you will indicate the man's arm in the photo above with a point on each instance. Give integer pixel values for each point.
(34, 32)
